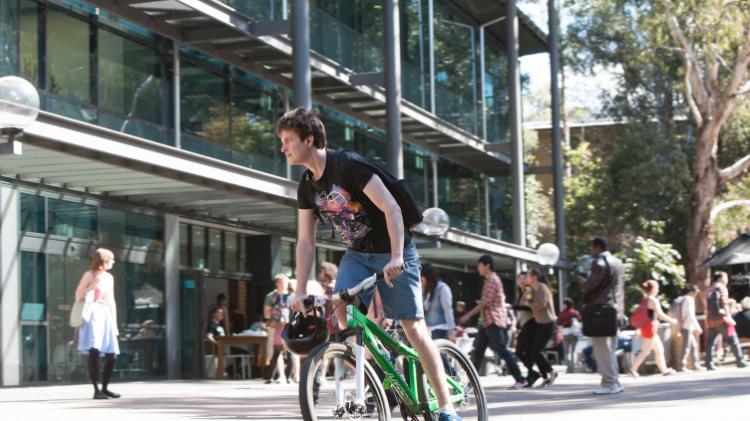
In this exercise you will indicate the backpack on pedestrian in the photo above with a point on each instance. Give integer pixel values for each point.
(639, 319)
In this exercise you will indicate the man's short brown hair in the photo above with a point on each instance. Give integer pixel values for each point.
(306, 123)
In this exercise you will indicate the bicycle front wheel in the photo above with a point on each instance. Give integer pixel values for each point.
(318, 387)
(458, 367)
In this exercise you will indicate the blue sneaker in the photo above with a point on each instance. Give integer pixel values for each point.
(444, 416)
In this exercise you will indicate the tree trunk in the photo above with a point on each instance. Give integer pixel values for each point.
(700, 230)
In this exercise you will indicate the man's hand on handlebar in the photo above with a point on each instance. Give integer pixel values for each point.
(392, 270)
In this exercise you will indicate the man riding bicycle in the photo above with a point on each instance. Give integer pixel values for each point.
(342, 188)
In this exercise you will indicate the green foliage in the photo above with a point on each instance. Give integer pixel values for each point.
(653, 260)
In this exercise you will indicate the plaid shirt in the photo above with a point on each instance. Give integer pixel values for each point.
(494, 298)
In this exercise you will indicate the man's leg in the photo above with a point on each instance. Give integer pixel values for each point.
(606, 361)
(498, 342)
(686, 341)
(478, 348)
(419, 338)
(711, 335)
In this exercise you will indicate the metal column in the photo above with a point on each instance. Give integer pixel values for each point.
(431, 29)
(172, 294)
(10, 289)
(391, 29)
(176, 94)
(516, 138)
(482, 81)
(302, 81)
(435, 196)
(554, 60)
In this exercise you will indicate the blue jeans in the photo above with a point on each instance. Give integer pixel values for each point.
(404, 300)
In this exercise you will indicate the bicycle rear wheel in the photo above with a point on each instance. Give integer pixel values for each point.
(458, 367)
(317, 386)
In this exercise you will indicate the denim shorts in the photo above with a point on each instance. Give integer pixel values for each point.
(404, 300)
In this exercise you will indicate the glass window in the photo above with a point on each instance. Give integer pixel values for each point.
(70, 219)
(33, 353)
(215, 249)
(128, 229)
(230, 247)
(496, 95)
(130, 85)
(198, 254)
(32, 213)
(456, 49)
(8, 38)
(204, 112)
(68, 57)
(139, 292)
(418, 171)
(253, 136)
(460, 195)
(33, 287)
(184, 246)
(501, 208)
(29, 33)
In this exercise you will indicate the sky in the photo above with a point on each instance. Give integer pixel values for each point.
(582, 90)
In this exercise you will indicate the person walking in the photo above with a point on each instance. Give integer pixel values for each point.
(690, 329)
(97, 336)
(569, 320)
(360, 200)
(717, 310)
(523, 328)
(276, 312)
(438, 304)
(650, 331)
(538, 297)
(605, 285)
(493, 322)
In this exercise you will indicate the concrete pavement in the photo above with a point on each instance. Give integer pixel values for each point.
(723, 394)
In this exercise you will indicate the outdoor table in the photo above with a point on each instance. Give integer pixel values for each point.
(238, 340)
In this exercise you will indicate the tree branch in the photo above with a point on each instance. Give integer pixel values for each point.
(735, 170)
(692, 75)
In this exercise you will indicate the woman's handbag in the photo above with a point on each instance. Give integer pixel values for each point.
(81, 311)
(639, 319)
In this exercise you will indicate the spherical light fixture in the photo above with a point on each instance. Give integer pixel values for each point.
(19, 104)
(435, 222)
(548, 254)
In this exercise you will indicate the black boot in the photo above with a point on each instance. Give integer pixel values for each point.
(109, 366)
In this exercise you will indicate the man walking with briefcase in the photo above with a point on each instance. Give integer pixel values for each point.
(604, 301)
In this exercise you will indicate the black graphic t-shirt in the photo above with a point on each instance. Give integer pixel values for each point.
(340, 199)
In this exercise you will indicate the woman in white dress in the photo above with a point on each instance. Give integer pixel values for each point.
(98, 334)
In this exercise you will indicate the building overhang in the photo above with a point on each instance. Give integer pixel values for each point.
(531, 39)
(78, 159)
(222, 32)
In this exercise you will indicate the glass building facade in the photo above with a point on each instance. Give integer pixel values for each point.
(100, 68)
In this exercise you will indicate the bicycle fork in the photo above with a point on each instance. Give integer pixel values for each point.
(344, 403)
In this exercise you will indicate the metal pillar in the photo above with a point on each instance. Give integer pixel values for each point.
(516, 138)
(486, 187)
(10, 288)
(302, 82)
(431, 28)
(435, 196)
(176, 94)
(554, 60)
(172, 294)
(391, 29)
(482, 81)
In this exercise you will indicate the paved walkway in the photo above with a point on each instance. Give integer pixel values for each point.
(723, 394)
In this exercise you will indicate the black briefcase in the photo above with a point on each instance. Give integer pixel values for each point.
(599, 320)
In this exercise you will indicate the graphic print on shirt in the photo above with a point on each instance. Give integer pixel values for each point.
(347, 216)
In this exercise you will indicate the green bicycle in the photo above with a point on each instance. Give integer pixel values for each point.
(338, 381)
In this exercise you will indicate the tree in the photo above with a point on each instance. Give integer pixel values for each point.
(713, 38)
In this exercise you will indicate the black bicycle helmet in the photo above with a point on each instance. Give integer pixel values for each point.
(304, 333)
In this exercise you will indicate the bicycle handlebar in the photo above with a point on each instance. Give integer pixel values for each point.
(347, 294)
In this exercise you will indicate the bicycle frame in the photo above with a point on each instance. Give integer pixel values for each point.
(372, 337)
